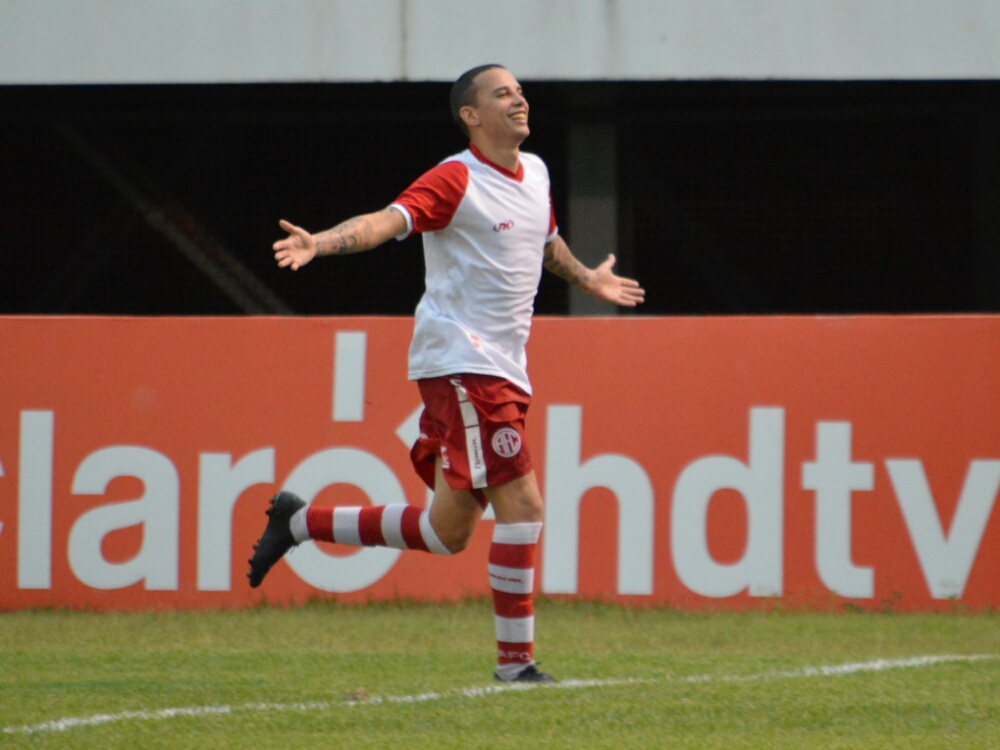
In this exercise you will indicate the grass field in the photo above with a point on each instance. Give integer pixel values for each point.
(419, 676)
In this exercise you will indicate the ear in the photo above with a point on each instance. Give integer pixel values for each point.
(470, 116)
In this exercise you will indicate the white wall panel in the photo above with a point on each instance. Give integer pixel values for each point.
(181, 41)
(119, 41)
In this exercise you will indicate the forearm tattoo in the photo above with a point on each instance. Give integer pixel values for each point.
(352, 236)
(560, 261)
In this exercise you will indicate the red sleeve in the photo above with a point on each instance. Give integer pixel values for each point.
(433, 199)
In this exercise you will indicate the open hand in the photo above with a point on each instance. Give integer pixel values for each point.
(609, 287)
(295, 250)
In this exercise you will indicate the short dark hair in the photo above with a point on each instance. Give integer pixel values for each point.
(463, 93)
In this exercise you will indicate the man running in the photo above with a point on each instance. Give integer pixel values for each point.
(488, 228)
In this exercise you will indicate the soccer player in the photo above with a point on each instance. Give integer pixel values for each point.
(488, 229)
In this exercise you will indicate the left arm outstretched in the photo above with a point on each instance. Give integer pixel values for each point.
(600, 283)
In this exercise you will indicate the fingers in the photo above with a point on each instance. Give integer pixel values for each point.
(617, 289)
(286, 258)
(631, 298)
(285, 247)
(297, 236)
(286, 243)
(630, 293)
(629, 287)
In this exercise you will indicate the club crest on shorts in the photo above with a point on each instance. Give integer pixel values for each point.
(506, 442)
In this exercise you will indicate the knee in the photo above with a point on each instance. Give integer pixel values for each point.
(456, 540)
(519, 501)
(453, 531)
(533, 510)
(524, 507)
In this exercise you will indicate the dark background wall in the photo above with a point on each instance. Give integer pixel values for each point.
(733, 197)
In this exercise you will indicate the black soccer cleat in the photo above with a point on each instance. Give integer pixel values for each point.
(529, 674)
(277, 537)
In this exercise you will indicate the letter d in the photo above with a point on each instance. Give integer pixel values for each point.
(761, 482)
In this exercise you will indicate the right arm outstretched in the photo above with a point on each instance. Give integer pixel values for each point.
(352, 236)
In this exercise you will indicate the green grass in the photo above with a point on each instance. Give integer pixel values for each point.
(393, 675)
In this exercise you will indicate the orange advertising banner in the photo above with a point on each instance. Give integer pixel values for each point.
(698, 463)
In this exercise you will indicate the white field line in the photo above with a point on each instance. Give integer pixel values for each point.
(831, 670)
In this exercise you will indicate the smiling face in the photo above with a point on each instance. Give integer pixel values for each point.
(500, 114)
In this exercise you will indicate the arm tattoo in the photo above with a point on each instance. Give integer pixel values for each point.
(560, 261)
(352, 236)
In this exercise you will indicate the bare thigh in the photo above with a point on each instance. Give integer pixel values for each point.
(454, 513)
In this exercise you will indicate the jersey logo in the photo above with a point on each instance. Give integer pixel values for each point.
(503, 226)
(506, 442)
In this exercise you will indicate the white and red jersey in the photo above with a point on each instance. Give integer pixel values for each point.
(484, 231)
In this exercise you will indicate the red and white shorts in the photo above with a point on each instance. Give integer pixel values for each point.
(475, 423)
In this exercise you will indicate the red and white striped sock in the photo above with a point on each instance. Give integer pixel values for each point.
(398, 526)
(512, 578)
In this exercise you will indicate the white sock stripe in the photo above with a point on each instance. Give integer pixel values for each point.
(346, 526)
(512, 580)
(515, 629)
(392, 526)
(298, 526)
(434, 544)
(517, 533)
